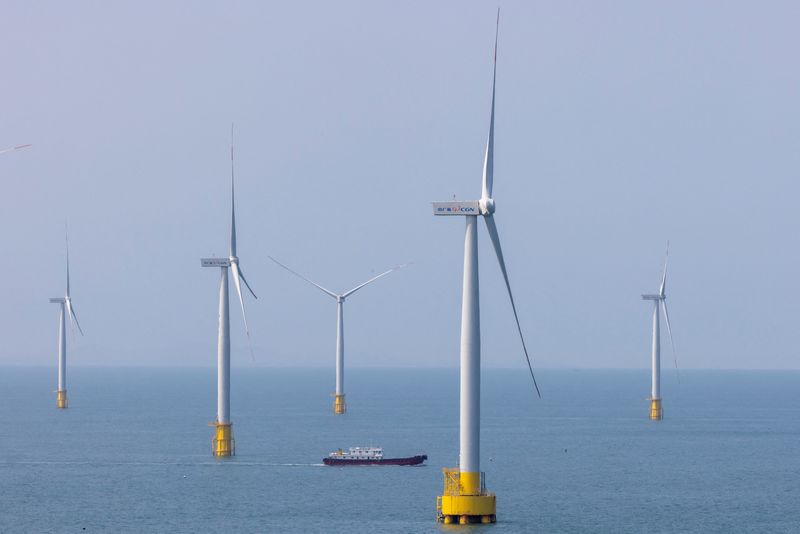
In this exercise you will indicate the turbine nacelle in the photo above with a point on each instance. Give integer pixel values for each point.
(215, 262)
(457, 207)
(59, 300)
(654, 297)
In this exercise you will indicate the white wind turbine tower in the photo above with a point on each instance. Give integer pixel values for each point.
(67, 309)
(223, 443)
(465, 498)
(339, 405)
(659, 301)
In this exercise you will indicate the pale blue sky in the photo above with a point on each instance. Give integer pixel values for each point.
(619, 125)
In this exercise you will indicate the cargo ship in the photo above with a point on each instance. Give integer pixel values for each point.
(369, 456)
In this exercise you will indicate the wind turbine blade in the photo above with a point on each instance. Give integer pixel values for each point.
(237, 283)
(233, 203)
(492, 227)
(669, 330)
(329, 292)
(72, 316)
(241, 275)
(66, 241)
(663, 287)
(488, 162)
(10, 149)
(348, 293)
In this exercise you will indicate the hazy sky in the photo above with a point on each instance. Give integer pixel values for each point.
(619, 125)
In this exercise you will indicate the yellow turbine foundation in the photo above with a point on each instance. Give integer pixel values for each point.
(465, 499)
(223, 443)
(656, 413)
(61, 398)
(339, 406)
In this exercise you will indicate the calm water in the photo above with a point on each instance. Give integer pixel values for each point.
(132, 453)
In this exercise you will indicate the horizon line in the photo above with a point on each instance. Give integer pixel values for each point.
(381, 367)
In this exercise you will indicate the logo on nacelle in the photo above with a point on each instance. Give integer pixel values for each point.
(456, 208)
(215, 262)
(459, 209)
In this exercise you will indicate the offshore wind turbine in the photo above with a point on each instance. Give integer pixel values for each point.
(223, 443)
(339, 405)
(659, 303)
(67, 309)
(465, 498)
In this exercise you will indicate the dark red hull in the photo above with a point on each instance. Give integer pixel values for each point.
(412, 460)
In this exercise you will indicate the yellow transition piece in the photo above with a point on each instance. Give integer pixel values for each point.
(656, 413)
(339, 406)
(465, 499)
(61, 398)
(223, 443)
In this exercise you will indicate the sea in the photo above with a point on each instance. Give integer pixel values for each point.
(132, 453)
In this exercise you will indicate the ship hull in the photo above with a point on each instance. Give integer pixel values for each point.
(412, 460)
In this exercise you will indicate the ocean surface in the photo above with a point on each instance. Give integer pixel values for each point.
(133, 451)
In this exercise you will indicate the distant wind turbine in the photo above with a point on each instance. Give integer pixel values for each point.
(659, 301)
(339, 405)
(223, 443)
(465, 499)
(67, 309)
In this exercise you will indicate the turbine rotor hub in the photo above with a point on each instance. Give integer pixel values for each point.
(487, 206)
